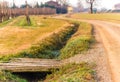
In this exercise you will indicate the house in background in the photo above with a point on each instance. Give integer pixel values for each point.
(53, 4)
(59, 8)
(70, 9)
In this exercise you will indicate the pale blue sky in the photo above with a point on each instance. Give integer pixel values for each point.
(104, 3)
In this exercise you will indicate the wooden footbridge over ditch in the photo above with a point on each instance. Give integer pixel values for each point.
(30, 65)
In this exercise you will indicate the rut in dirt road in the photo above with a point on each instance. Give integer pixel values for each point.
(110, 35)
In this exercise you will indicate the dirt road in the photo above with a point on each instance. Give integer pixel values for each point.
(110, 35)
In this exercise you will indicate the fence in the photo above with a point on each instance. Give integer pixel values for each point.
(8, 13)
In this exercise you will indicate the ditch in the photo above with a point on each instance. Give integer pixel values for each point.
(32, 76)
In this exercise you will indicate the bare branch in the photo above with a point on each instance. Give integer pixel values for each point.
(91, 4)
(90, 1)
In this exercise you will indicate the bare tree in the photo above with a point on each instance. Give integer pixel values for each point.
(91, 2)
(4, 12)
(80, 6)
(0, 12)
(63, 5)
(63, 2)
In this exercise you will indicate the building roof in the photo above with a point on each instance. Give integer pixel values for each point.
(53, 3)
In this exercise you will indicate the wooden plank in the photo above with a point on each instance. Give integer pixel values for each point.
(30, 65)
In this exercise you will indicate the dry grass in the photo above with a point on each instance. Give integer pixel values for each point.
(14, 37)
(113, 17)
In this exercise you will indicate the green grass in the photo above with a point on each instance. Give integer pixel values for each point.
(73, 73)
(36, 21)
(23, 23)
(79, 42)
(113, 17)
(8, 77)
(6, 22)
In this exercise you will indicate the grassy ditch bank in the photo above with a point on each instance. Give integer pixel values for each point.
(48, 47)
(79, 42)
(73, 73)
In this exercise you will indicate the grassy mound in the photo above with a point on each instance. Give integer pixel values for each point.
(73, 73)
(79, 42)
(8, 77)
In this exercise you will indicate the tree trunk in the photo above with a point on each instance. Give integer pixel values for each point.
(0, 17)
(28, 19)
(27, 14)
(91, 8)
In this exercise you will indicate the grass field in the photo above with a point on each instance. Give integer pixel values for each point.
(15, 36)
(113, 17)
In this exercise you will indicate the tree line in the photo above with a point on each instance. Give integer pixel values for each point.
(7, 12)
